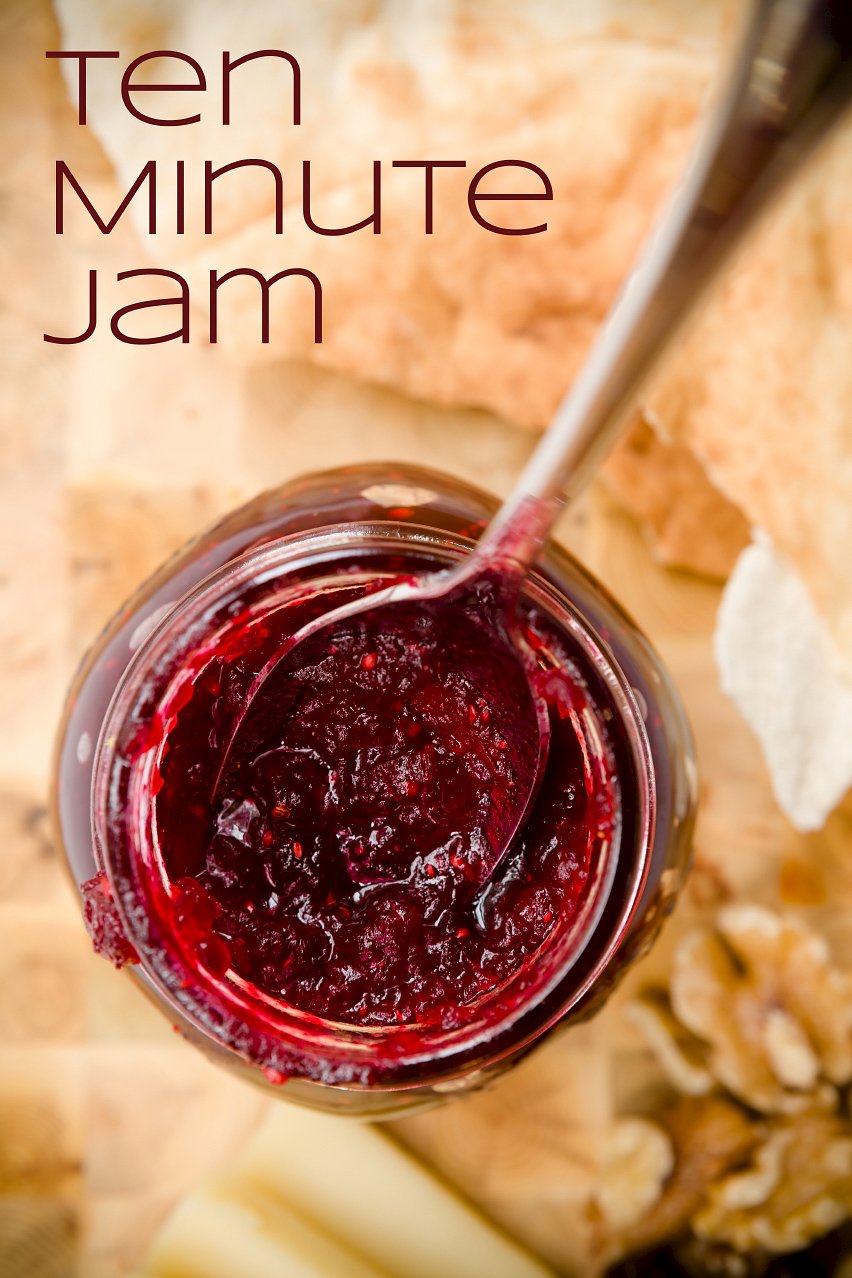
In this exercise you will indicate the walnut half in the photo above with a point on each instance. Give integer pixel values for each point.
(755, 1005)
(796, 1186)
(709, 1136)
(637, 1160)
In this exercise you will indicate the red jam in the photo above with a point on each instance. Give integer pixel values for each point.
(136, 798)
(334, 865)
(103, 923)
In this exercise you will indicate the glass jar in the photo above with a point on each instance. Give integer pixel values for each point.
(315, 527)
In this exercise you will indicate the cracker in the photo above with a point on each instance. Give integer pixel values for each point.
(603, 96)
(782, 669)
(762, 385)
(690, 524)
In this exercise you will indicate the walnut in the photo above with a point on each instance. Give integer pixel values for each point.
(682, 1056)
(755, 1005)
(637, 1160)
(709, 1137)
(797, 1186)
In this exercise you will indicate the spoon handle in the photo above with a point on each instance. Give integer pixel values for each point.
(790, 81)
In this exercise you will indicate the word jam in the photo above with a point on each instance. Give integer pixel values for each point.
(191, 80)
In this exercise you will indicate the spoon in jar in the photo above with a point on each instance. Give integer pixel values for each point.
(788, 84)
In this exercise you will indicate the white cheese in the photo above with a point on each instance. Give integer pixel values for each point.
(229, 1230)
(358, 1185)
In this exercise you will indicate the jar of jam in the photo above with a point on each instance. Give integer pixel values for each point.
(293, 885)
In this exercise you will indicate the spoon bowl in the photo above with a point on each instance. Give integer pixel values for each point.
(498, 720)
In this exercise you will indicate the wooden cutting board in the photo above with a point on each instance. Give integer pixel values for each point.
(111, 457)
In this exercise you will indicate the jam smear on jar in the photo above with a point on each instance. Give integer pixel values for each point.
(103, 922)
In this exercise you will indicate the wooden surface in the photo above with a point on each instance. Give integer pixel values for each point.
(111, 456)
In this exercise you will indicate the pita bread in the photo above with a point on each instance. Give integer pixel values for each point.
(762, 387)
(690, 524)
(604, 97)
(769, 636)
(462, 317)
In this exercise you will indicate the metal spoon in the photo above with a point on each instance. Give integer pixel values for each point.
(789, 82)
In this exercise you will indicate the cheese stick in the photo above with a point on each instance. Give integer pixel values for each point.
(230, 1230)
(357, 1184)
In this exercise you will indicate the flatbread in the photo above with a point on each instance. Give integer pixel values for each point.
(462, 316)
(768, 637)
(761, 390)
(604, 96)
(690, 523)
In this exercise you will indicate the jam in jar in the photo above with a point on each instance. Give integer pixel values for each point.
(299, 884)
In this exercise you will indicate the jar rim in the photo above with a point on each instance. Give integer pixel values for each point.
(193, 999)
